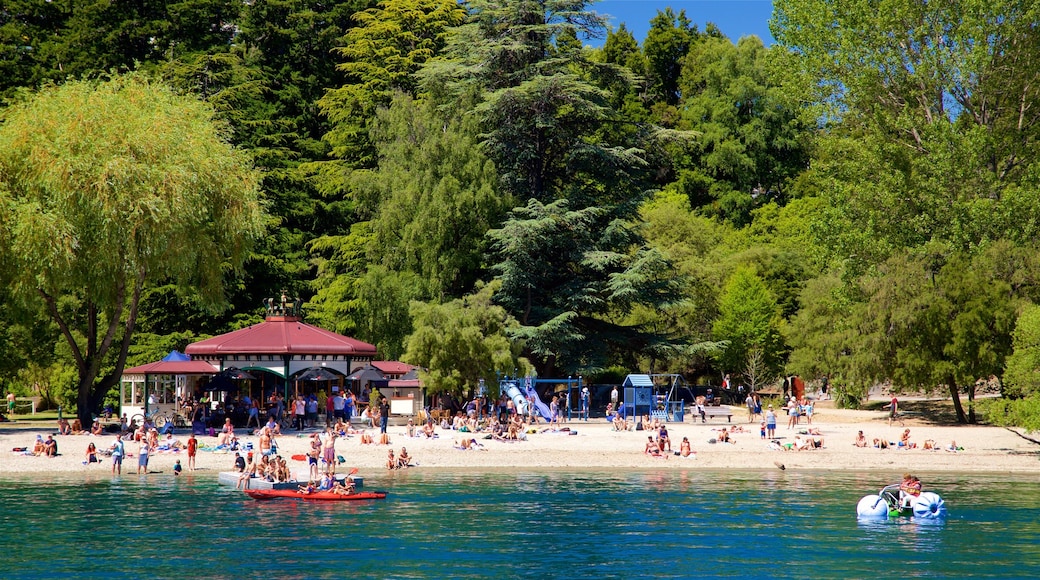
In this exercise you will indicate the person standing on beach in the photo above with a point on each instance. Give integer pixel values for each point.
(348, 406)
(117, 456)
(142, 456)
(770, 423)
(614, 397)
(384, 414)
(193, 447)
(328, 451)
(893, 412)
(585, 402)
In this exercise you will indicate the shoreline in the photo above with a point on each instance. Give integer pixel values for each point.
(595, 446)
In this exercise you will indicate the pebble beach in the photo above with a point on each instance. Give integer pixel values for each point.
(593, 445)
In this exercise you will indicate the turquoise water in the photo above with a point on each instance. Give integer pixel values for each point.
(514, 525)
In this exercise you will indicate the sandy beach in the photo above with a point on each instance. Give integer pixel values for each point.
(595, 445)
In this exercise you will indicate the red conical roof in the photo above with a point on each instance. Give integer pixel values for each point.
(281, 335)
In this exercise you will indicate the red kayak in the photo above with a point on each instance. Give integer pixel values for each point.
(313, 496)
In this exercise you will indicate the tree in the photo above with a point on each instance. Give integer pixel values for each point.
(541, 103)
(929, 135)
(1022, 371)
(749, 319)
(928, 159)
(108, 187)
(459, 343)
(752, 140)
(667, 42)
(381, 56)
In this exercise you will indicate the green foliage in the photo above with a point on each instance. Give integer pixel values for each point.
(1022, 372)
(1023, 412)
(752, 138)
(432, 198)
(667, 42)
(824, 337)
(749, 322)
(107, 187)
(458, 343)
(931, 144)
(381, 56)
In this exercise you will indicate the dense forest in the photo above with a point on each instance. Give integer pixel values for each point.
(474, 188)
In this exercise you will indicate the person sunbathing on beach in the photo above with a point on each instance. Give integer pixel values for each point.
(172, 443)
(618, 423)
(391, 461)
(651, 447)
(227, 433)
(654, 425)
(92, 456)
(428, 430)
(63, 427)
(880, 443)
(684, 447)
(724, 436)
(497, 431)
(904, 440)
(468, 443)
(341, 427)
(39, 447)
(664, 443)
(96, 429)
(861, 440)
(403, 459)
(366, 439)
(50, 447)
(272, 427)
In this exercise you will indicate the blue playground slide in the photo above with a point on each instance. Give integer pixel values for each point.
(543, 409)
(513, 392)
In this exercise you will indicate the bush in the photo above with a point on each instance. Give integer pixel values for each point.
(848, 396)
(1023, 413)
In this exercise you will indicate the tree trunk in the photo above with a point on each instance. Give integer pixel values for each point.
(971, 404)
(85, 401)
(955, 394)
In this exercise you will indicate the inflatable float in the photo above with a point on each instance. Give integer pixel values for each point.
(887, 504)
(313, 496)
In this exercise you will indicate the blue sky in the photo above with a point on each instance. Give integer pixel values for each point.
(736, 18)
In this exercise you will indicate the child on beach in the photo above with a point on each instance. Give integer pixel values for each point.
(762, 430)
(177, 467)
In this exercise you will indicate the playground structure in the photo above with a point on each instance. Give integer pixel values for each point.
(524, 393)
(653, 395)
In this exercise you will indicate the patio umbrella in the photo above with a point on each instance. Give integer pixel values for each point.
(317, 374)
(236, 374)
(221, 382)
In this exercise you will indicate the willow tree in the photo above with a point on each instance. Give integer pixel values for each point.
(108, 187)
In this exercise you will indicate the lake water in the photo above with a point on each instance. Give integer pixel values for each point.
(548, 524)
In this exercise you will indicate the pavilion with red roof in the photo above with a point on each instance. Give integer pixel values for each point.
(276, 352)
(284, 346)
